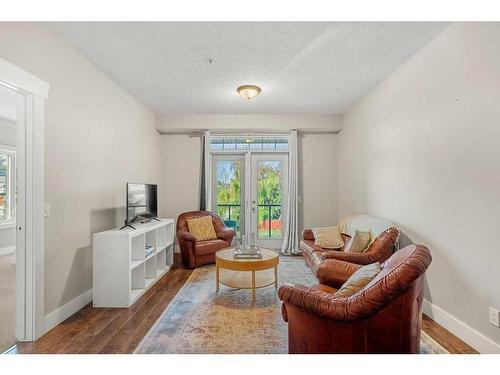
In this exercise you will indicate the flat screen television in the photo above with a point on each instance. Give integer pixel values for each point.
(142, 203)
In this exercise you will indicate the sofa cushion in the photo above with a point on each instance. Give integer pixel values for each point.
(358, 243)
(202, 228)
(359, 280)
(328, 237)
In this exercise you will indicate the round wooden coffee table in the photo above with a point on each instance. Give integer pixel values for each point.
(246, 273)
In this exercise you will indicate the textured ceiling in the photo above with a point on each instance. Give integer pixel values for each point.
(306, 67)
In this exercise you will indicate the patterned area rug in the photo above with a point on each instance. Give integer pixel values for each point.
(200, 321)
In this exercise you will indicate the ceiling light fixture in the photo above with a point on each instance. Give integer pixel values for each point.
(248, 91)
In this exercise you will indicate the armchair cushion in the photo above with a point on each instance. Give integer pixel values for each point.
(202, 228)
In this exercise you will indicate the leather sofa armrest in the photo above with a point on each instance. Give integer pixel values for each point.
(308, 234)
(314, 301)
(186, 236)
(358, 258)
(335, 273)
(226, 234)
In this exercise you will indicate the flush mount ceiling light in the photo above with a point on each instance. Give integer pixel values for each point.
(248, 91)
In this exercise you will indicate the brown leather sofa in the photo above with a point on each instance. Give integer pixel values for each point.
(384, 317)
(196, 253)
(317, 257)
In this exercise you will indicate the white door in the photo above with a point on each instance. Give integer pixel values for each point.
(268, 197)
(228, 190)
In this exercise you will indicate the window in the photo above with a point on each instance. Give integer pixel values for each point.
(249, 143)
(7, 188)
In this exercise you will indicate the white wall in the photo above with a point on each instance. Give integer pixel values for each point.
(317, 180)
(98, 137)
(265, 123)
(181, 174)
(181, 156)
(7, 133)
(422, 150)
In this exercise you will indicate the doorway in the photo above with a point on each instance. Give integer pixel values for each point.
(249, 189)
(23, 196)
(8, 142)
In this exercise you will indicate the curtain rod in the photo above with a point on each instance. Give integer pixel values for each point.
(200, 132)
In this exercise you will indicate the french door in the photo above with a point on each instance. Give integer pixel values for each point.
(249, 193)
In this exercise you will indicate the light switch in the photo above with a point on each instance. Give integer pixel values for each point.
(46, 209)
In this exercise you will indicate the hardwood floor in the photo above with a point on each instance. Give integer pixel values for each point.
(446, 339)
(103, 330)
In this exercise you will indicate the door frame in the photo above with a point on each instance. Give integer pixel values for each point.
(32, 93)
(248, 164)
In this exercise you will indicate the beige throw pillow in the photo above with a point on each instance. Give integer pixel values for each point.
(358, 243)
(328, 237)
(202, 228)
(359, 280)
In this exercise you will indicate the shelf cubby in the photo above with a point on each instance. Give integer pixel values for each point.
(151, 267)
(137, 278)
(138, 245)
(161, 258)
(151, 239)
(170, 256)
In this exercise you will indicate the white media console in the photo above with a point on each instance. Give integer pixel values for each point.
(122, 271)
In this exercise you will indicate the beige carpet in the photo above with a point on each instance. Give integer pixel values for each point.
(7, 301)
(200, 321)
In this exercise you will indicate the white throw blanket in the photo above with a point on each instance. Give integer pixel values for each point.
(365, 223)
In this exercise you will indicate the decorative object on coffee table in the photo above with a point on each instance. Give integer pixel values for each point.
(247, 273)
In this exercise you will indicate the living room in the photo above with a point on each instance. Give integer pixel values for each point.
(307, 185)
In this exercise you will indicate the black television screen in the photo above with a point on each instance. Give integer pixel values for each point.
(141, 202)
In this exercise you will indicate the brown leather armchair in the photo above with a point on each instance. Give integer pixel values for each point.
(317, 257)
(384, 317)
(196, 253)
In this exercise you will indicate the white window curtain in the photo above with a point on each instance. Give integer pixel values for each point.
(290, 244)
(205, 175)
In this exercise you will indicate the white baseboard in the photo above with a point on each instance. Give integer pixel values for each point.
(7, 250)
(58, 316)
(465, 333)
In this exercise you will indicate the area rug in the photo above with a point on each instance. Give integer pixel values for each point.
(198, 320)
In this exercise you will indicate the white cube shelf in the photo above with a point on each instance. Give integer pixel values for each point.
(122, 272)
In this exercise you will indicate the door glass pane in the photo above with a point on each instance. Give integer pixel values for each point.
(269, 199)
(229, 193)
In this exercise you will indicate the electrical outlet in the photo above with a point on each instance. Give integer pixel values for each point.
(494, 317)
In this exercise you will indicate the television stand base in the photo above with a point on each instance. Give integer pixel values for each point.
(128, 225)
(155, 219)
